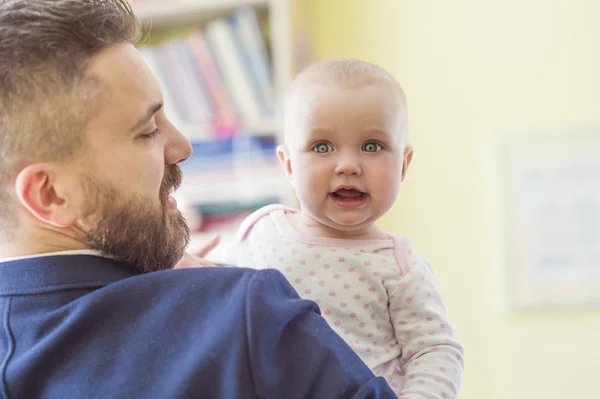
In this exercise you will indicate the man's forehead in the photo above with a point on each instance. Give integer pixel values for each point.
(125, 79)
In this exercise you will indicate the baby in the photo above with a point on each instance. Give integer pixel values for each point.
(345, 154)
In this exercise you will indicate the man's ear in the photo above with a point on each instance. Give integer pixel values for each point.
(408, 155)
(39, 192)
(283, 154)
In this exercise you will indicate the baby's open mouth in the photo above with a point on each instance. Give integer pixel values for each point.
(348, 194)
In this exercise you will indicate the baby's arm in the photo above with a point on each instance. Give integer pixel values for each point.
(226, 253)
(242, 250)
(431, 357)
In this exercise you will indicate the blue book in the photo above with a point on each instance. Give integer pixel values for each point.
(253, 49)
(229, 151)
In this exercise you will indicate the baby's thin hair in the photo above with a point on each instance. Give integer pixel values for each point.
(343, 73)
(346, 73)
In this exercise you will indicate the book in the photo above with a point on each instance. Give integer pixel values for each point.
(170, 108)
(253, 49)
(239, 169)
(206, 112)
(187, 98)
(222, 42)
(225, 111)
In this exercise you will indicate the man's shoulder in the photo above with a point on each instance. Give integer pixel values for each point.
(171, 322)
(191, 299)
(198, 275)
(198, 281)
(187, 288)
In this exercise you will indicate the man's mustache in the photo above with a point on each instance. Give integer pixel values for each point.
(171, 181)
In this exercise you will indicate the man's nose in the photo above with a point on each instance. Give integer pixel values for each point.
(178, 147)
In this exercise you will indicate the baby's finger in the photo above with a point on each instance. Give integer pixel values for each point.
(208, 246)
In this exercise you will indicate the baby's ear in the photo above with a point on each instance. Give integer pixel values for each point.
(408, 155)
(283, 154)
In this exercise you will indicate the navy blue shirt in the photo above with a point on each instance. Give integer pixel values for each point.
(81, 326)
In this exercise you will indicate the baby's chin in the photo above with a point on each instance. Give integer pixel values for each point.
(350, 225)
(366, 231)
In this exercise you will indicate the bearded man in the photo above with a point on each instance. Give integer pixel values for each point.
(91, 305)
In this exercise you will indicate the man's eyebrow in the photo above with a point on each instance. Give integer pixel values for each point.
(151, 111)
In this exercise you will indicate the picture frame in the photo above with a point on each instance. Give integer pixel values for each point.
(550, 213)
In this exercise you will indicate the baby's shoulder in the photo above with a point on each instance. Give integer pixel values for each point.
(260, 220)
(407, 256)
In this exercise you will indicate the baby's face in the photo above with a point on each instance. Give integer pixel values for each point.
(346, 154)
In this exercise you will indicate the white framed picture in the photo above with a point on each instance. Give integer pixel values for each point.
(550, 209)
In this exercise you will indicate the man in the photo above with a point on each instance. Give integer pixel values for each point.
(90, 304)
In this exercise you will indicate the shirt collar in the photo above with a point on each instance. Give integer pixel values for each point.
(54, 272)
(59, 253)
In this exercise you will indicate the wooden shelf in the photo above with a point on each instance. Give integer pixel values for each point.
(165, 14)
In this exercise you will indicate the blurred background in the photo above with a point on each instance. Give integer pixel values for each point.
(503, 196)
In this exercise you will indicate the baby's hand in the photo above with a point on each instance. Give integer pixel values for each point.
(196, 260)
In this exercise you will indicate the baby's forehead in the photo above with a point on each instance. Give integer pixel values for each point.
(343, 87)
(317, 101)
(345, 74)
(307, 90)
(330, 112)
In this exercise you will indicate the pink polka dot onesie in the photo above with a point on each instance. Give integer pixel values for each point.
(379, 295)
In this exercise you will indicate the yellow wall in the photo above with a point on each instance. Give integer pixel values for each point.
(474, 70)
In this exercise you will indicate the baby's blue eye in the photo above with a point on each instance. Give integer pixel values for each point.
(323, 148)
(372, 147)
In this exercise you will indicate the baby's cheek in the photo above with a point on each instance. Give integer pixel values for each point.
(313, 177)
(385, 185)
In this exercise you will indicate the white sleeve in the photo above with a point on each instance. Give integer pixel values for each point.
(224, 254)
(239, 251)
(431, 357)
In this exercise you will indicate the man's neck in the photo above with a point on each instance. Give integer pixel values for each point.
(39, 241)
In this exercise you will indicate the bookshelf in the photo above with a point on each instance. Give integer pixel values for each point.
(197, 131)
(234, 169)
(169, 13)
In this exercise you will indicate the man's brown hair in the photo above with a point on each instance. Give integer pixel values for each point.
(45, 96)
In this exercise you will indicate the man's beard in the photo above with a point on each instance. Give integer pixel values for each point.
(135, 231)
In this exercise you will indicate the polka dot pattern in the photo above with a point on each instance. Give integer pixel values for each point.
(378, 295)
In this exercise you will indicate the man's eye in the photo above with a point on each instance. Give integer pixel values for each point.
(372, 147)
(150, 135)
(323, 148)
